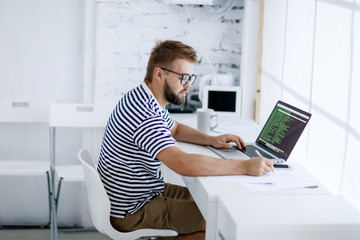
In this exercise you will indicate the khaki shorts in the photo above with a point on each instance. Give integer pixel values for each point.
(173, 209)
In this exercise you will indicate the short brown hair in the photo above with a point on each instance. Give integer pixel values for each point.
(165, 53)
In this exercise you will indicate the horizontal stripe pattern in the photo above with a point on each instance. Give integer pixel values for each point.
(137, 130)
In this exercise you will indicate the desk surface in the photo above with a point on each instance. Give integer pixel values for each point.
(24, 167)
(206, 193)
(282, 217)
(204, 190)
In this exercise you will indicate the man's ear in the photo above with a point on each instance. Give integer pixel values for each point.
(158, 74)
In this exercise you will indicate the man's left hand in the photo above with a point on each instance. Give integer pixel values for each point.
(223, 141)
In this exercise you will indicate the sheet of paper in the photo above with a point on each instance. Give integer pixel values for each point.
(286, 180)
(267, 178)
(278, 180)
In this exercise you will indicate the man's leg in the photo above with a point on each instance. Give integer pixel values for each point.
(174, 209)
(179, 192)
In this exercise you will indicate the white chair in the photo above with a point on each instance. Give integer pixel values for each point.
(71, 115)
(99, 204)
(25, 112)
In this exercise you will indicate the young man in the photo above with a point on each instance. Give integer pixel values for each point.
(141, 134)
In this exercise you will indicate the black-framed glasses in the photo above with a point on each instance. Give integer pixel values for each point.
(185, 78)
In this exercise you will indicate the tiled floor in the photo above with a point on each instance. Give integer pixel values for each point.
(44, 234)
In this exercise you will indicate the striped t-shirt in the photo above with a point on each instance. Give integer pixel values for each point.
(137, 130)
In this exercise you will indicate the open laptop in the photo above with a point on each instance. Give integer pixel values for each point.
(277, 138)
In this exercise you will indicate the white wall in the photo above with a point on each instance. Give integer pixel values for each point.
(41, 46)
(126, 31)
(311, 58)
(249, 57)
(85, 50)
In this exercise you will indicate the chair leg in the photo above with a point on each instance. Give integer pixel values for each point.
(58, 193)
(49, 194)
(53, 234)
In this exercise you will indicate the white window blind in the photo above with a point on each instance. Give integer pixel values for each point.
(311, 59)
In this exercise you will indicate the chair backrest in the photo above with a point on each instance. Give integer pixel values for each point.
(24, 111)
(99, 204)
(80, 114)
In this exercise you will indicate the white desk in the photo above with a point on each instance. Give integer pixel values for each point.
(295, 217)
(206, 193)
(71, 115)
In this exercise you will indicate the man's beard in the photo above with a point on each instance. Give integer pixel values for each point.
(171, 97)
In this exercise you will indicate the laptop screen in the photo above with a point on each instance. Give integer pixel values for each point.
(283, 129)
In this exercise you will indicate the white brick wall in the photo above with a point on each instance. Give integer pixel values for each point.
(126, 31)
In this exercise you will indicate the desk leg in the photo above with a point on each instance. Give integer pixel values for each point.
(53, 212)
(211, 221)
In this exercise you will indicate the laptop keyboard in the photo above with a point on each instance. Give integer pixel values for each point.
(250, 151)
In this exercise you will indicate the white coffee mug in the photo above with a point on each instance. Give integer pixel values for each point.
(204, 120)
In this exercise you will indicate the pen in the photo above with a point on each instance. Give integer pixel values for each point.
(257, 153)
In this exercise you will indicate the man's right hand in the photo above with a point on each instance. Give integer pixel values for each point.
(259, 166)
